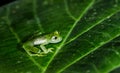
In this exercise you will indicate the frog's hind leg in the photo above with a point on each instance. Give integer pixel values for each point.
(32, 51)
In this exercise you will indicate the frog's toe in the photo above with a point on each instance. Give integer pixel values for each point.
(40, 55)
(50, 50)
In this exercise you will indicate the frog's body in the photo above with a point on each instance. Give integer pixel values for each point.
(30, 48)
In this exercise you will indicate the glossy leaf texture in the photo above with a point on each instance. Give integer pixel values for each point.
(90, 30)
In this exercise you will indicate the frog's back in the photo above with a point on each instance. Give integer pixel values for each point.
(40, 40)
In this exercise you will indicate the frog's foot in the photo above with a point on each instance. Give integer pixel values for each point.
(50, 50)
(39, 54)
(46, 52)
(36, 55)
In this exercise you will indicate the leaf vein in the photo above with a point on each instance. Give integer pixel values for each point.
(77, 59)
(68, 11)
(36, 16)
(8, 22)
(97, 23)
(17, 37)
(95, 68)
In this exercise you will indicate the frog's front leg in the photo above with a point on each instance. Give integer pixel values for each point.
(45, 51)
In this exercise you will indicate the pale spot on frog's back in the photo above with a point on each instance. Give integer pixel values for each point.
(39, 41)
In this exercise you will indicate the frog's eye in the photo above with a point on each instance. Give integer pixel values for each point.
(55, 39)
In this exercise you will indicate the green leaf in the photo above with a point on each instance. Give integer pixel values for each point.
(87, 27)
(103, 60)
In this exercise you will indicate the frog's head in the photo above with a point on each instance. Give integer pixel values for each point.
(55, 37)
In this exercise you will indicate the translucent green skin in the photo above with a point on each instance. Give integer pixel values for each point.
(30, 48)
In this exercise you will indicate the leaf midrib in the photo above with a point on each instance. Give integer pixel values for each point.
(68, 34)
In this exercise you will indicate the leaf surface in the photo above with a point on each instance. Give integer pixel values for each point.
(86, 26)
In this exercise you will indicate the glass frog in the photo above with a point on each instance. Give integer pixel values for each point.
(41, 41)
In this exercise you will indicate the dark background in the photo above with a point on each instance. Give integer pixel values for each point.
(3, 2)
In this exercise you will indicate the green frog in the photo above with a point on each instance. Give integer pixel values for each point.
(41, 41)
